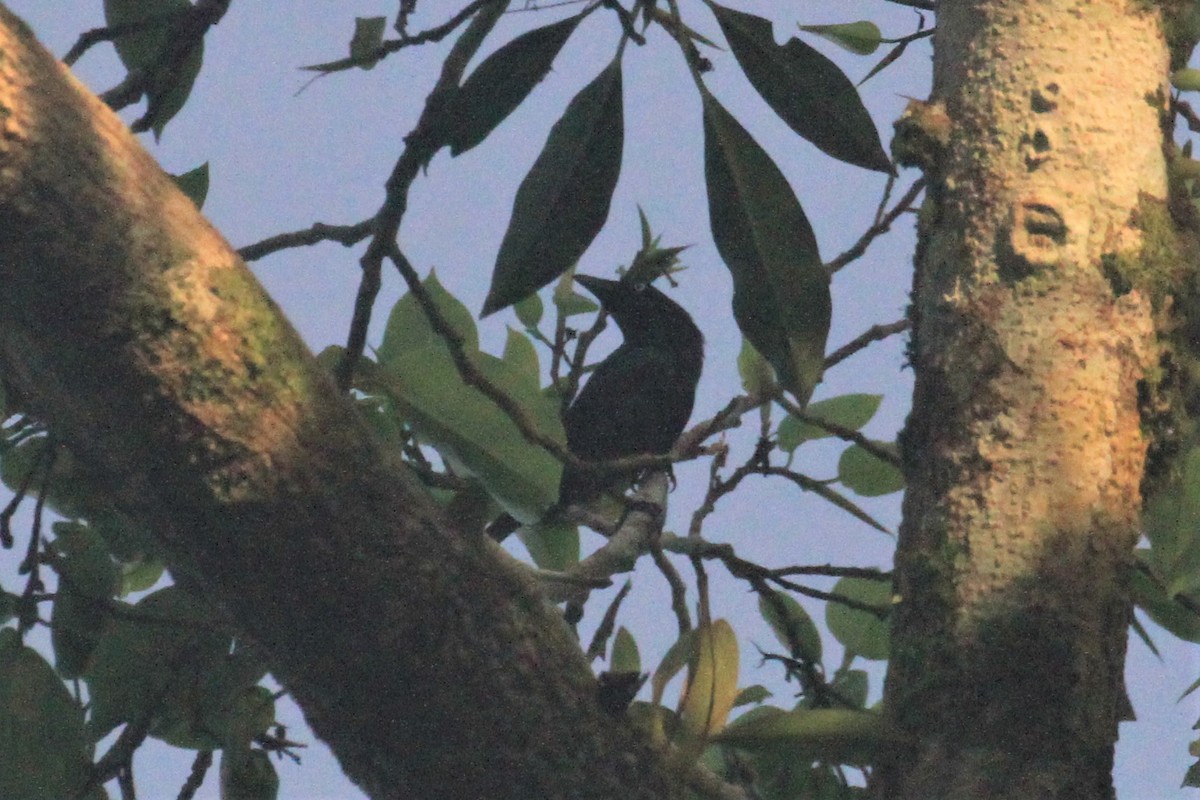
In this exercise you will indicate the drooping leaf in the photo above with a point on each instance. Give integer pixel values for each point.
(467, 428)
(713, 688)
(46, 752)
(861, 38)
(780, 289)
(807, 90)
(194, 183)
(868, 475)
(564, 200)
(792, 626)
(837, 736)
(143, 47)
(848, 411)
(502, 82)
(368, 36)
(860, 632)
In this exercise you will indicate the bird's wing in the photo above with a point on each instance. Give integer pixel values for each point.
(634, 402)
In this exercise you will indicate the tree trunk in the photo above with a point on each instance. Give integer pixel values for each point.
(1043, 148)
(430, 665)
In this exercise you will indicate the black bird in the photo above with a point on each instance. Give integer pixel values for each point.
(639, 399)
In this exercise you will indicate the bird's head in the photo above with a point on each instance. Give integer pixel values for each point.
(643, 313)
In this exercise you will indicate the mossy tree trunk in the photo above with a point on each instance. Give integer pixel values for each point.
(1024, 452)
(429, 665)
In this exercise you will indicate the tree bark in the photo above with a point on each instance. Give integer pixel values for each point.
(1043, 146)
(431, 666)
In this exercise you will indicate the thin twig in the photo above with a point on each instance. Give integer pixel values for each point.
(741, 568)
(419, 147)
(873, 334)
(469, 372)
(347, 235)
(608, 624)
(678, 589)
(882, 226)
(840, 431)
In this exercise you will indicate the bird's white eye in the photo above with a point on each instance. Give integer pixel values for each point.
(639, 287)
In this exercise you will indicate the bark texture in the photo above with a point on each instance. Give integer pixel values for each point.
(431, 667)
(1023, 451)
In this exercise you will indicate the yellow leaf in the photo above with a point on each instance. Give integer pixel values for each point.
(713, 688)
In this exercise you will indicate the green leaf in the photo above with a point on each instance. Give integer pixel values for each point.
(571, 304)
(1186, 80)
(368, 36)
(194, 183)
(868, 475)
(852, 685)
(780, 289)
(625, 656)
(128, 540)
(87, 580)
(502, 82)
(793, 627)
(1171, 521)
(564, 200)
(758, 378)
(467, 428)
(83, 562)
(529, 311)
(248, 774)
(521, 357)
(851, 411)
(151, 660)
(142, 49)
(861, 38)
(46, 753)
(553, 546)
(138, 576)
(1191, 778)
(838, 736)
(1165, 610)
(408, 328)
(805, 89)
(69, 490)
(752, 695)
(860, 632)
(250, 711)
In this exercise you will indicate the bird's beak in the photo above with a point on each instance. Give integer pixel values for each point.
(603, 289)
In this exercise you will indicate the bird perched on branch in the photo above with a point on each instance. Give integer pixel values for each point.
(639, 399)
